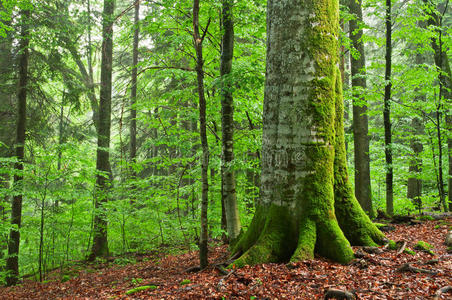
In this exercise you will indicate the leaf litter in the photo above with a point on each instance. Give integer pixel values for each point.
(372, 276)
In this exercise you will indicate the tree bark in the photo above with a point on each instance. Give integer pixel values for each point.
(305, 194)
(363, 191)
(12, 262)
(387, 112)
(133, 93)
(103, 180)
(228, 194)
(197, 42)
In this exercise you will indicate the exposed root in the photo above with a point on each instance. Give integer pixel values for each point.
(408, 268)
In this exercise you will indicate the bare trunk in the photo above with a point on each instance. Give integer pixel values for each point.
(387, 113)
(133, 93)
(103, 180)
(363, 191)
(197, 41)
(228, 194)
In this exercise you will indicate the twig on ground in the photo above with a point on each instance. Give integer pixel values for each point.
(402, 248)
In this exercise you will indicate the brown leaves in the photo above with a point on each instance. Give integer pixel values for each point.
(372, 276)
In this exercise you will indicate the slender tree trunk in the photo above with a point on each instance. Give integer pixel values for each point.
(445, 95)
(103, 180)
(414, 186)
(7, 117)
(133, 93)
(12, 263)
(387, 112)
(197, 41)
(363, 191)
(227, 124)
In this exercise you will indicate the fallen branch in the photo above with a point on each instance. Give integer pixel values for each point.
(402, 248)
(442, 290)
(408, 268)
(338, 294)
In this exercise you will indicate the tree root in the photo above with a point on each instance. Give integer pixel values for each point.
(408, 268)
(442, 290)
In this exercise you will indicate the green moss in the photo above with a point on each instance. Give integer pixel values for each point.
(421, 245)
(276, 241)
(392, 245)
(140, 288)
(306, 240)
(424, 246)
(185, 281)
(356, 225)
(409, 251)
(379, 225)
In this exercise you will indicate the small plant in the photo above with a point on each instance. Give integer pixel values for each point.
(65, 278)
(122, 261)
(136, 281)
(185, 281)
(140, 288)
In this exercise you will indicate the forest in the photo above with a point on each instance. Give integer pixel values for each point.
(225, 149)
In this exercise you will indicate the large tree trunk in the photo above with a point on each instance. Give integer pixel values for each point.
(387, 112)
(103, 180)
(307, 205)
(363, 191)
(197, 41)
(228, 194)
(12, 262)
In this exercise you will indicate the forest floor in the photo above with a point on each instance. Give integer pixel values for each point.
(382, 275)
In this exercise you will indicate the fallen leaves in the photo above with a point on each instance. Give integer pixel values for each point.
(373, 275)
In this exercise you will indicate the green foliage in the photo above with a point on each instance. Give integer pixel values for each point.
(185, 281)
(426, 218)
(393, 245)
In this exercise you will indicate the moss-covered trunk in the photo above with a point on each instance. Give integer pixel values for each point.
(307, 205)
